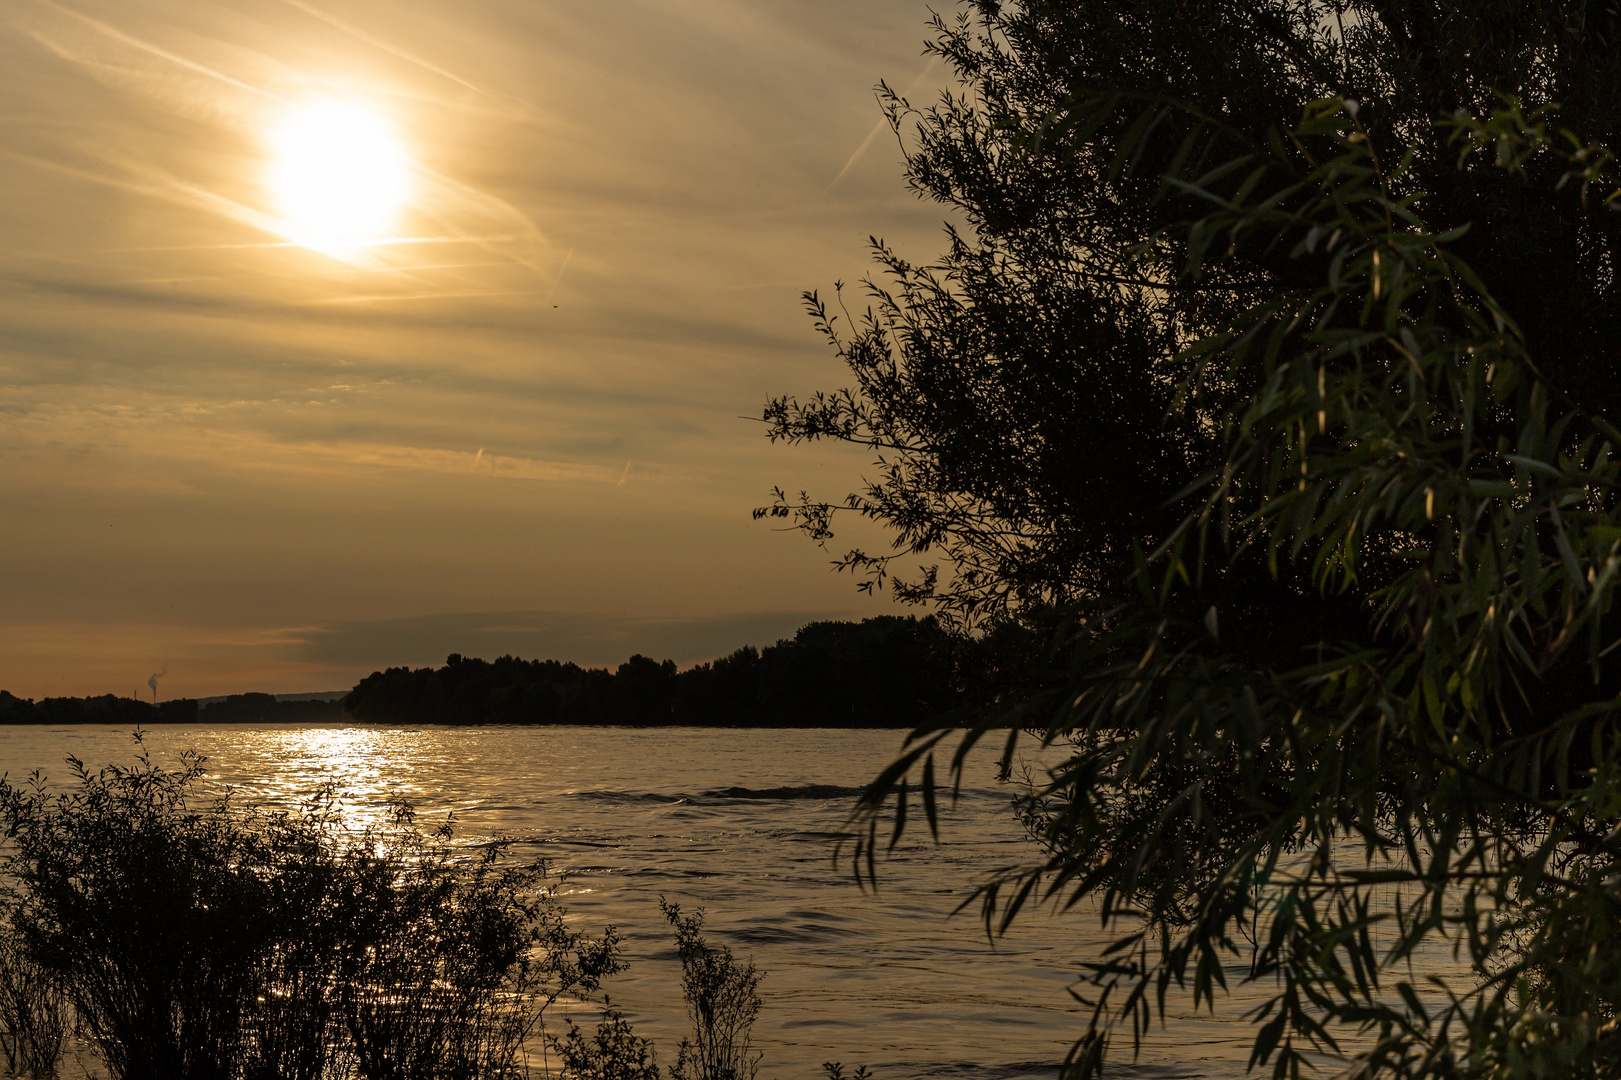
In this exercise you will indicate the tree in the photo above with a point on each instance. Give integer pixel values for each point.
(1273, 351)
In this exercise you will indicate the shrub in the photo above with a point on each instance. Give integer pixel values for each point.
(33, 1016)
(207, 941)
(835, 1071)
(445, 966)
(615, 1052)
(149, 912)
(723, 1002)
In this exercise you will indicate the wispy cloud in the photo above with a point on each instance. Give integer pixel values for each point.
(381, 43)
(529, 397)
(90, 57)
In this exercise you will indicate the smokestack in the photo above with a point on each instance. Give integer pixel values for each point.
(152, 682)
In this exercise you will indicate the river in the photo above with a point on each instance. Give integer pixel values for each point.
(743, 823)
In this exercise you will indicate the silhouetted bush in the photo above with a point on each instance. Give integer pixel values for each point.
(445, 966)
(723, 1001)
(151, 915)
(195, 942)
(835, 1071)
(33, 1014)
(614, 1052)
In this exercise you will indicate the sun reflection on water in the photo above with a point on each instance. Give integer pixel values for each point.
(368, 771)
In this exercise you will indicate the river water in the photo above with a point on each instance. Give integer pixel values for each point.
(744, 824)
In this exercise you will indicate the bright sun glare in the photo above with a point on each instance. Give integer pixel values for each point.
(339, 176)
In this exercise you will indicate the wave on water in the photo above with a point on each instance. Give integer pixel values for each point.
(802, 791)
(630, 796)
(1013, 1070)
(797, 791)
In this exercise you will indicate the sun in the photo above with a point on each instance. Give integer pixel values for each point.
(339, 175)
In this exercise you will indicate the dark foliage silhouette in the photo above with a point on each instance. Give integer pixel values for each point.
(723, 1001)
(33, 1013)
(194, 939)
(612, 1052)
(107, 709)
(132, 712)
(883, 672)
(1270, 369)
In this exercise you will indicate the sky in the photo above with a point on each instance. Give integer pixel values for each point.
(512, 410)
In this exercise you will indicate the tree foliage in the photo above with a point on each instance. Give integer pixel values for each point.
(1274, 349)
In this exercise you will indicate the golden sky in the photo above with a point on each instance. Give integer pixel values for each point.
(503, 411)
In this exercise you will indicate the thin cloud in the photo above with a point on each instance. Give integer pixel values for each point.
(173, 362)
(559, 278)
(388, 47)
(462, 212)
(113, 32)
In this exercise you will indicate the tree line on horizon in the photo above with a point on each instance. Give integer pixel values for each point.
(98, 709)
(887, 671)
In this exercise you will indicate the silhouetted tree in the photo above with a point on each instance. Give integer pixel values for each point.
(1268, 369)
(882, 672)
(106, 709)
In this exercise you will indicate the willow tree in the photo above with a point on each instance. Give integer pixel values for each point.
(1274, 349)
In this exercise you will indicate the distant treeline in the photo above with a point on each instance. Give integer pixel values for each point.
(106, 709)
(882, 672)
(887, 671)
(131, 712)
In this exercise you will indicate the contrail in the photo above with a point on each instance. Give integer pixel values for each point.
(557, 280)
(146, 46)
(370, 39)
(882, 124)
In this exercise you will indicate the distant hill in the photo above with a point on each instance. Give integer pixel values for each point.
(321, 695)
(272, 709)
